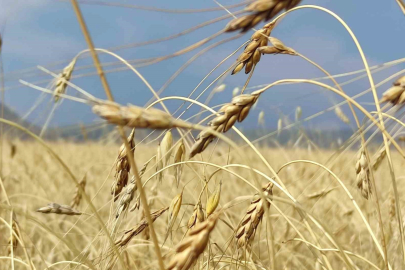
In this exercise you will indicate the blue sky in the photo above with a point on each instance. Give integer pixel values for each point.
(37, 32)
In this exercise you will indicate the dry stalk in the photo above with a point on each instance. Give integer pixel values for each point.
(197, 216)
(237, 110)
(251, 56)
(142, 225)
(179, 156)
(395, 94)
(137, 117)
(61, 81)
(59, 209)
(363, 175)
(254, 214)
(78, 193)
(12, 241)
(195, 242)
(122, 167)
(261, 10)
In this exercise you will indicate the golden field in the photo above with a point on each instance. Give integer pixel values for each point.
(33, 178)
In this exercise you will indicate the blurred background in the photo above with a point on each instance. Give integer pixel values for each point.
(46, 33)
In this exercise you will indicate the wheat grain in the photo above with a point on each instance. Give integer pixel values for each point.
(197, 216)
(254, 214)
(261, 10)
(213, 200)
(188, 251)
(237, 110)
(59, 209)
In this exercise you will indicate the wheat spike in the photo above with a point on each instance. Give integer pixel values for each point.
(395, 94)
(142, 225)
(219, 88)
(251, 56)
(122, 167)
(78, 193)
(197, 216)
(59, 209)
(61, 85)
(260, 119)
(195, 242)
(254, 214)
(341, 115)
(363, 175)
(237, 110)
(261, 10)
(136, 117)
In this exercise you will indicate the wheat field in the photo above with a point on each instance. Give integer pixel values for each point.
(147, 186)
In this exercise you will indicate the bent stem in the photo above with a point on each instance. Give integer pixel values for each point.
(127, 146)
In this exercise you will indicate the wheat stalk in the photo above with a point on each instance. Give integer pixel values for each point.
(236, 110)
(261, 10)
(254, 214)
(122, 167)
(195, 242)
